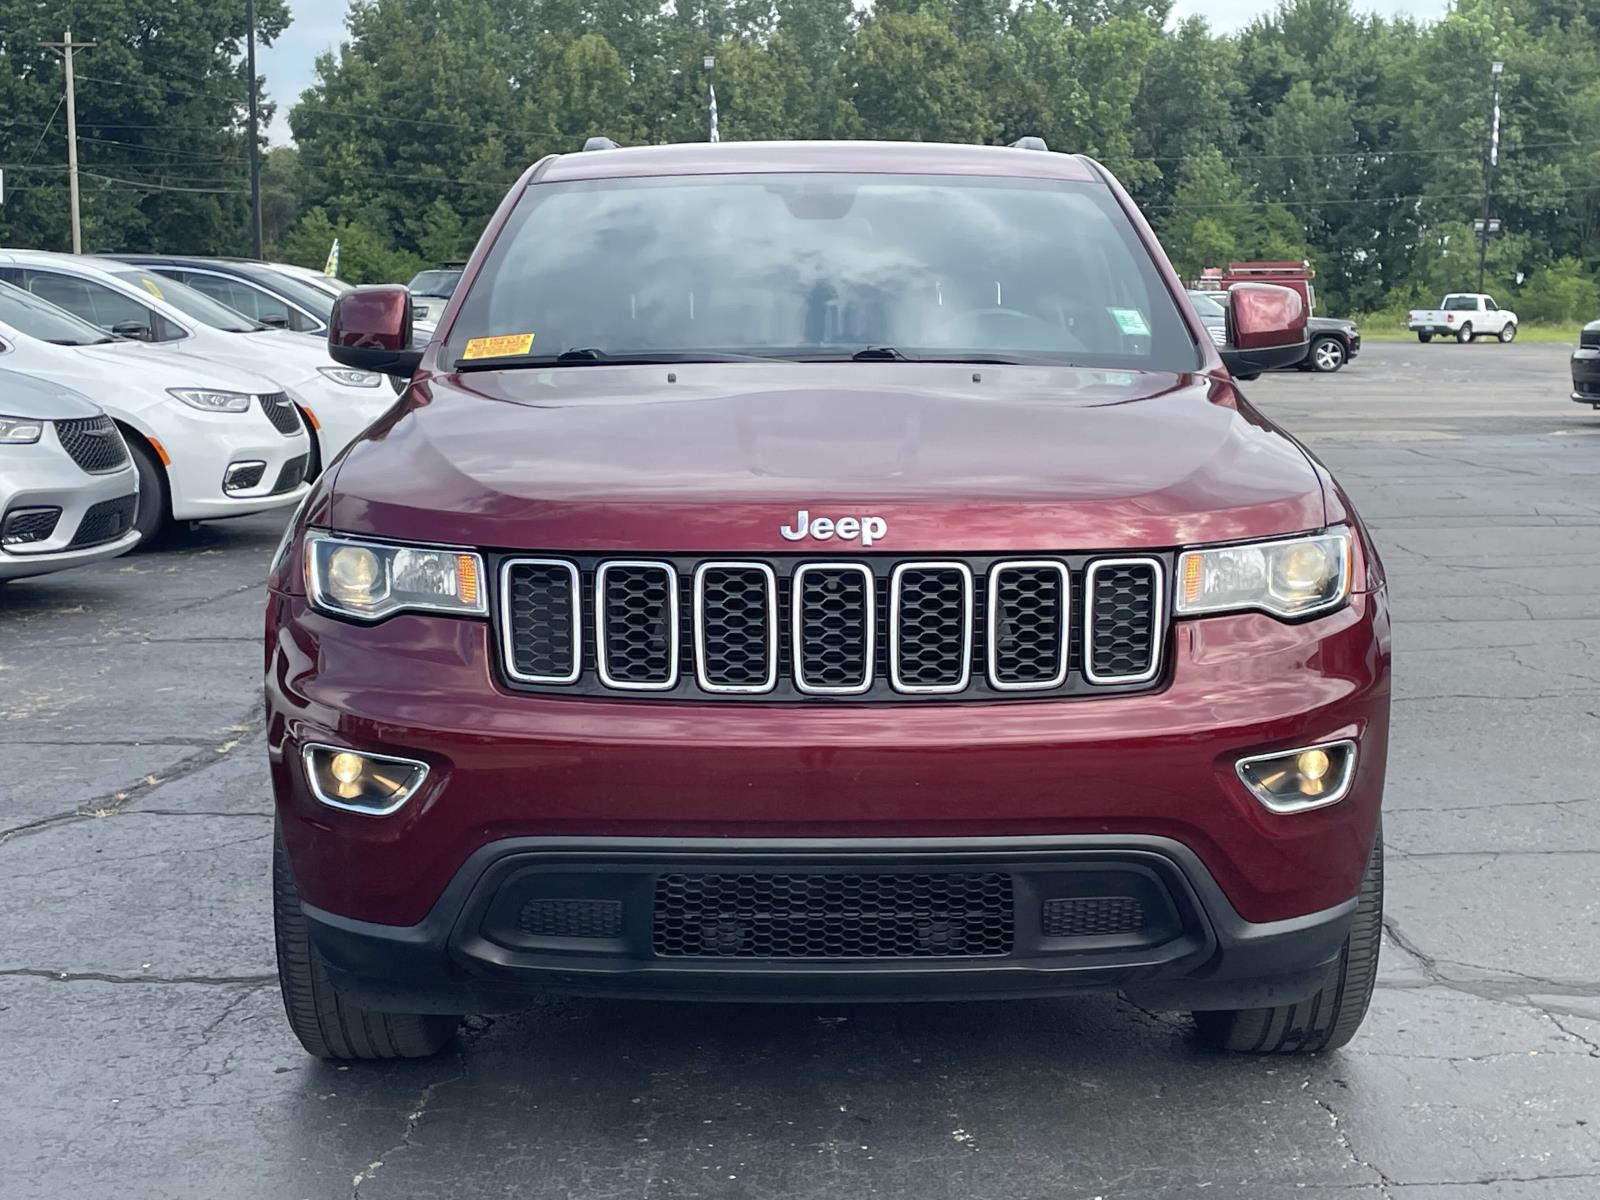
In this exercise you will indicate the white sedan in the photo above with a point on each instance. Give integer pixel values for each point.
(174, 319)
(208, 441)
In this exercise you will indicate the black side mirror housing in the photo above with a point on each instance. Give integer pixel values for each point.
(136, 330)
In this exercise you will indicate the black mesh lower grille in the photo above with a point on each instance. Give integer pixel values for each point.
(281, 412)
(736, 621)
(571, 918)
(291, 475)
(542, 606)
(105, 522)
(932, 644)
(824, 915)
(1028, 625)
(93, 443)
(1093, 916)
(834, 628)
(242, 479)
(24, 525)
(1122, 619)
(639, 636)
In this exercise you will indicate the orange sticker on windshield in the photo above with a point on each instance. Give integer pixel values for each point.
(504, 346)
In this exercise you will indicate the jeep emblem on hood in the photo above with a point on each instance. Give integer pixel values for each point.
(868, 529)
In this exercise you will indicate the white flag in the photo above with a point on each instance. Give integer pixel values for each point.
(714, 137)
(1494, 136)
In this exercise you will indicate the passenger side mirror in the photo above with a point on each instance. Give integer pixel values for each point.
(275, 321)
(137, 330)
(370, 329)
(1266, 328)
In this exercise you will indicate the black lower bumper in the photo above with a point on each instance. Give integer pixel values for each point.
(1586, 375)
(830, 920)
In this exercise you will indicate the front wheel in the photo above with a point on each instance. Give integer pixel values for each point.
(1327, 354)
(1508, 334)
(154, 512)
(1464, 334)
(1424, 335)
(327, 1024)
(1329, 1018)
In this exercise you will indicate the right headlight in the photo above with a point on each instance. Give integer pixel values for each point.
(211, 400)
(15, 431)
(1294, 577)
(373, 580)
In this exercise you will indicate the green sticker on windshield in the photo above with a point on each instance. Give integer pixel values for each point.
(1130, 321)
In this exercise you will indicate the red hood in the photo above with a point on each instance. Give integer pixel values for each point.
(954, 458)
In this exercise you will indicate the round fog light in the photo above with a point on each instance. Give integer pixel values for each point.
(372, 784)
(346, 767)
(1295, 780)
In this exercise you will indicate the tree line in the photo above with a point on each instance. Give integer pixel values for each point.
(1316, 131)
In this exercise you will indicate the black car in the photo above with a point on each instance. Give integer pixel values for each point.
(1330, 344)
(1586, 366)
(252, 288)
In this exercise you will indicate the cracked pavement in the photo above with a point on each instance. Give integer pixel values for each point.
(149, 1058)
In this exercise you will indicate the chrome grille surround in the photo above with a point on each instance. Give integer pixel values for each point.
(772, 636)
(1063, 636)
(1091, 638)
(897, 641)
(612, 628)
(868, 636)
(509, 625)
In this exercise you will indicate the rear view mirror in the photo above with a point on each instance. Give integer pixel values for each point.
(370, 329)
(1266, 328)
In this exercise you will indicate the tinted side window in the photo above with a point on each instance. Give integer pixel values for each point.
(99, 305)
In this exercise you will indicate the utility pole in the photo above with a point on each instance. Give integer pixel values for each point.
(710, 63)
(255, 139)
(1489, 167)
(66, 46)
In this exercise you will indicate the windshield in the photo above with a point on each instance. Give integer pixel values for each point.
(36, 318)
(825, 265)
(1460, 304)
(189, 302)
(434, 283)
(1208, 304)
(315, 301)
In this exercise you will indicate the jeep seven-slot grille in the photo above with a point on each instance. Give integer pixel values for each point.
(875, 629)
(93, 443)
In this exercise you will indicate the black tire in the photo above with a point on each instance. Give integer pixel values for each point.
(1424, 335)
(328, 1025)
(1330, 1018)
(154, 514)
(1509, 332)
(1464, 334)
(1327, 355)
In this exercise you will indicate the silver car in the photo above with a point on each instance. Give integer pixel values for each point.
(68, 490)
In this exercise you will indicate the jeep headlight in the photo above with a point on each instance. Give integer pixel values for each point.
(373, 580)
(1294, 577)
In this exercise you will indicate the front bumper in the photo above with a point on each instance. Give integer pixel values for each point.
(203, 446)
(605, 922)
(1586, 375)
(43, 477)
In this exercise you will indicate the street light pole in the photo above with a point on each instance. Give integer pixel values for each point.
(255, 136)
(1489, 167)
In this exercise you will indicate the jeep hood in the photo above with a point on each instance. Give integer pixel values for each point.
(716, 457)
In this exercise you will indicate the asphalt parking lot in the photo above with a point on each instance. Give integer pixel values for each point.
(148, 1057)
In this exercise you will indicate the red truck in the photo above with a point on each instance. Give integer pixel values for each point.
(824, 572)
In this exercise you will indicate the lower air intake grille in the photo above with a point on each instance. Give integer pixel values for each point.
(817, 915)
(93, 443)
(24, 525)
(571, 918)
(281, 413)
(1093, 916)
(105, 522)
(1124, 597)
(291, 476)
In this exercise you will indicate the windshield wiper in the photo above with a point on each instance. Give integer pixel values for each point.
(582, 356)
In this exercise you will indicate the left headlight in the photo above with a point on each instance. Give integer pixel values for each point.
(1295, 577)
(210, 400)
(15, 431)
(373, 580)
(351, 377)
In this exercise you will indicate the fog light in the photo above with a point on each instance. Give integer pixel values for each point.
(1290, 781)
(373, 784)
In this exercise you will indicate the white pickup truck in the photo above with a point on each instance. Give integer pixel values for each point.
(1464, 316)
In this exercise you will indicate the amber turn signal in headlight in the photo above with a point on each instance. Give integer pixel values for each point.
(372, 784)
(1289, 781)
(1294, 577)
(373, 580)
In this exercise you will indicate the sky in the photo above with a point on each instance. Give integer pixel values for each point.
(290, 65)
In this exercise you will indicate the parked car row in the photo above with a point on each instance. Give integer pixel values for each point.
(213, 411)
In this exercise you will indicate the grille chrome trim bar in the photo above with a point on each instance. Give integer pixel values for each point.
(774, 633)
(992, 624)
(508, 630)
(966, 614)
(1158, 628)
(797, 628)
(674, 649)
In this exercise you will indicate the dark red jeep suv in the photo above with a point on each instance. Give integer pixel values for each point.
(824, 572)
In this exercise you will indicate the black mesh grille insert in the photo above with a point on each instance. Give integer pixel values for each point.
(932, 628)
(1122, 610)
(736, 626)
(1093, 916)
(24, 525)
(1028, 625)
(542, 604)
(244, 478)
(571, 918)
(93, 443)
(104, 522)
(281, 413)
(639, 636)
(820, 915)
(291, 475)
(834, 628)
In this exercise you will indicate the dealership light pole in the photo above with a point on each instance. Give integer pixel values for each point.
(255, 137)
(1489, 167)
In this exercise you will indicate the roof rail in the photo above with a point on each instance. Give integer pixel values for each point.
(1029, 143)
(600, 143)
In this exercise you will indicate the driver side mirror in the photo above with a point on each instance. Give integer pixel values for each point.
(370, 330)
(1266, 328)
(137, 330)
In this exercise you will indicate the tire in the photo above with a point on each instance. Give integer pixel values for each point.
(328, 1025)
(154, 515)
(1327, 355)
(1330, 1018)
(1424, 335)
(1509, 333)
(1464, 334)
